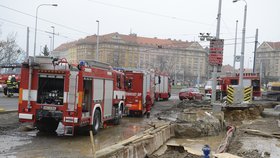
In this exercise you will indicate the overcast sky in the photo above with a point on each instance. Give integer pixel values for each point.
(176, 19)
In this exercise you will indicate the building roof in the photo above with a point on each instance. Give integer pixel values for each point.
(132, 39)
(274, 45)
(66, 46)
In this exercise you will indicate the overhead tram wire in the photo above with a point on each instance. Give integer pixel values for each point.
(61, 25)
(42, 31)
(149, 13)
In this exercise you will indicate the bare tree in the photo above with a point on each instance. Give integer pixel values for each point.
(9, 50)
(166, 63)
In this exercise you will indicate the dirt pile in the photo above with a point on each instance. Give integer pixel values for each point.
(178, 152)
(251, 113)
(193, 103)
(197, 123)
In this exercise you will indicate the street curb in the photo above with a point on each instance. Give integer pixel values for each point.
(2, 111)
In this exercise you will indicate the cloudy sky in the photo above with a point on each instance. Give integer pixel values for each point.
(176, 19)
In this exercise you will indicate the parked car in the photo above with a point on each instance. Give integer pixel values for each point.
(190, 93)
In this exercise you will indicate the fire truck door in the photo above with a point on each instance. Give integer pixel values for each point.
(98, 90)
(144, 93)
(108, 98)
(87, 99)
(73, 90)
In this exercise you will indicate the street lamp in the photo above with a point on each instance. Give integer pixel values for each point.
(50, 42)
(54, 5)
(52, 38)
(97, 41)
(242, 47)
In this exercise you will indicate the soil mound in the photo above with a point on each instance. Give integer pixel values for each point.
(240, 115)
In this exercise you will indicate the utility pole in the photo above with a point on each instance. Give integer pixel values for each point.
(52, 39)
(235, 43)
(198, 75)
(242, 52)
(255, 50)
(214, 74)
(50, 43)
(97, 42)
(27, 44)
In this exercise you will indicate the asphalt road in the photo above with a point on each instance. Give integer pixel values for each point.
(16, 142)
(8, 103)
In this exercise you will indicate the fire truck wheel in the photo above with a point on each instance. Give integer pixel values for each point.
(96, 122)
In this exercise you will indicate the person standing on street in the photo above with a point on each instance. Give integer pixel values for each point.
(148, 105)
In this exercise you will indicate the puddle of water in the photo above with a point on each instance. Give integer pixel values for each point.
(113, 134)
(196, 143)
(262, 144)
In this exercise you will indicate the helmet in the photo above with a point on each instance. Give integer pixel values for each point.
(9, 77)
(13, 75)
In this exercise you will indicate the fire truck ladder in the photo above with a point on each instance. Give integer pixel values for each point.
(98, 64)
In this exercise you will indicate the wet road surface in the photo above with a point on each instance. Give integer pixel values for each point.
(8, 103)
(17, 143)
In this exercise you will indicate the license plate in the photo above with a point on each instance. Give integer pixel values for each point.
(52, 108)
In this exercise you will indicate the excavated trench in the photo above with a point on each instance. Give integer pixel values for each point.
(185, 134)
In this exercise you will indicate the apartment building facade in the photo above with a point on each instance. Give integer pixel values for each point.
(184, 60)
(268, 61)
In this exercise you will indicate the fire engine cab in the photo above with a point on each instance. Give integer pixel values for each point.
(89, 94)
(249, 79)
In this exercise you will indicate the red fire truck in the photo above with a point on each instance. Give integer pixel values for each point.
(6, 71)
(249, 79)
(89, 94)
(138, 85)
(162, 87)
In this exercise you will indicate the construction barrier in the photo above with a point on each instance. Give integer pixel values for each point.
(230, 95)
(233, 94)
(248, 92)
(140, 145)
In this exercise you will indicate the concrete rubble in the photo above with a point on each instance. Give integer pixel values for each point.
(140, 145)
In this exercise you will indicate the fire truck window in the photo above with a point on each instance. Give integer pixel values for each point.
(234, 82)
(50, 90)
(119, 81)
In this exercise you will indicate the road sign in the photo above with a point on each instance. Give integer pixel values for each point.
(217, 46)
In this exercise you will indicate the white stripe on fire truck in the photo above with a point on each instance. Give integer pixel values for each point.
(33, 95)
(120, 94)
(65, 97)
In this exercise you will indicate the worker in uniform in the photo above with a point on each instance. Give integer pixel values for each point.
(148, 105)
(11, 85)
